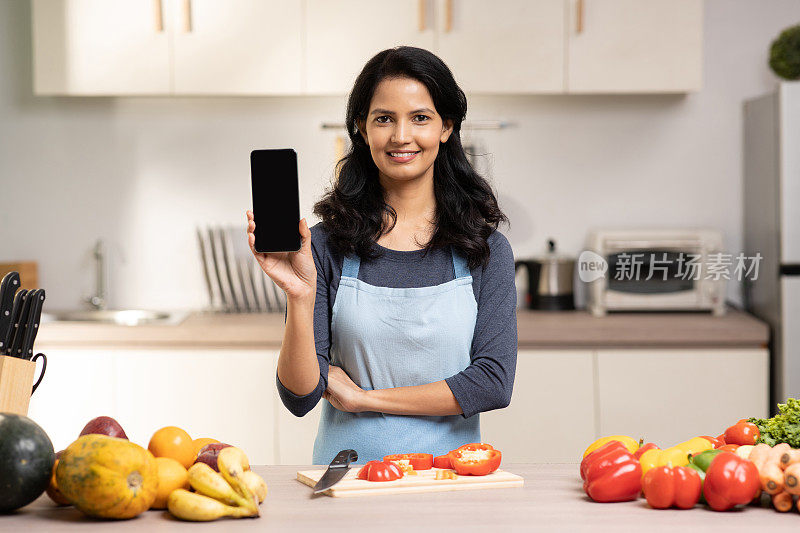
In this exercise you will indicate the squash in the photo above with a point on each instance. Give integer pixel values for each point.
(52, 489)
(107, 477)
(26, 461)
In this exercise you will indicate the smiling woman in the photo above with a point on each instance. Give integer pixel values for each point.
(401, 302)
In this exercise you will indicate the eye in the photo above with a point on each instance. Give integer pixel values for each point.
(422, 118)
(380, 121)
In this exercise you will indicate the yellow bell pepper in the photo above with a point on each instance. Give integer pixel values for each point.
(677, 455)
(628, 442)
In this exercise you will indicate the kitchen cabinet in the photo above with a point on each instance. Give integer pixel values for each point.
(668, 396)
(223, 394)
(342, 36)
(503, 47)
(630, 46)
(130, 47)
(551, 417)
(90, 47)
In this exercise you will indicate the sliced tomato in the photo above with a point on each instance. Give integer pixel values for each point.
(475, 459)
(442, 461)
(380, 471)
(418, 461)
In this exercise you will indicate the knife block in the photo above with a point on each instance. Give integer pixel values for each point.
(16, 382)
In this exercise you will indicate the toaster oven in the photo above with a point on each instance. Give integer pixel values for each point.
(654, 270)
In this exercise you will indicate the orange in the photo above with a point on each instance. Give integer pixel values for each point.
(171, 475)
(199, 443)
(173, 442)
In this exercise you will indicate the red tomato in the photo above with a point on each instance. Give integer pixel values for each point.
(418, 461)
(743, 432)
(475, 459)
(442, 461)
(380, 471)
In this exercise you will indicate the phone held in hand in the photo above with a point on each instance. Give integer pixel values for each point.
(276, 200)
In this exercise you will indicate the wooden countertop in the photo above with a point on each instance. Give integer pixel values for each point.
(552, 499)
(536, 329)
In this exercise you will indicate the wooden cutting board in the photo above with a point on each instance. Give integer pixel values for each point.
(424, 481)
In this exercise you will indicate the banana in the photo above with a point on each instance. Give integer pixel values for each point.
(198, 508)
(232, 463)
(209, 483)
(256, 484)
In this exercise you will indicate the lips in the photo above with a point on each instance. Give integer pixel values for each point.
(402, 156)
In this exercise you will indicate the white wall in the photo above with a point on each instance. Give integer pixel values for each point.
(142, 172)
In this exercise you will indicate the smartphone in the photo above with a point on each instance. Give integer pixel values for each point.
(276, 200)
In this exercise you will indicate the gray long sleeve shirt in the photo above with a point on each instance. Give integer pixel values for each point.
(487, 382)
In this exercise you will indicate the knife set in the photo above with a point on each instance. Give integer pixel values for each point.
(20, 314)
(234, 279)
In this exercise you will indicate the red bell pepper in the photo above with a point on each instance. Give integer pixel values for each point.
(613, 476)
(728, 447)
(649, 446)
(476, 459)
(442, 461)
(589, 459)
(742, 432)
(730, 481)
(418, 461)
(666, 487)
(714, 441)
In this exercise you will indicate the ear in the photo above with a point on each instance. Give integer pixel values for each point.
(362, 129)
(447, 129)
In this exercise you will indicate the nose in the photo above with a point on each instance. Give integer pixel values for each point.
(400, 133)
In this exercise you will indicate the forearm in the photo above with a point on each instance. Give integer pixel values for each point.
(433, 399)
(298, 367)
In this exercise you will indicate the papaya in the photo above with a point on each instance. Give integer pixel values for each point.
(107, 477)
(52, 490)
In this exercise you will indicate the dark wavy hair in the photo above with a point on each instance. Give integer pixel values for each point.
(354, 209)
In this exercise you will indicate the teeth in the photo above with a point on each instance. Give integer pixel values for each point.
(401, 154)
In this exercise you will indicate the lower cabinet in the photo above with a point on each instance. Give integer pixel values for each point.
(562, 401)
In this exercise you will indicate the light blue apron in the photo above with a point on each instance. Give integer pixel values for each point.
(386, 337)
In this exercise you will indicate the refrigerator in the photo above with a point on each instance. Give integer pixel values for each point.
(772, 228)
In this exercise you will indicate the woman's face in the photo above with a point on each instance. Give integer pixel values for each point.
(403, 129)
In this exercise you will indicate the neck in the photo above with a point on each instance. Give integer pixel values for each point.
(412, 200)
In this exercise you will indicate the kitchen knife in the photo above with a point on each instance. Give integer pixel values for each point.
(15, 347)
(16, 307)
(8, 288)
(336, 470)
(32, 324)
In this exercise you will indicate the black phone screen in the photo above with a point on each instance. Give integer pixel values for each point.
(276, 200)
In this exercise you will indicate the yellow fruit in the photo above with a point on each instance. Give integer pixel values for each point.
(171, 475)
(256, 484)
(628, 442)
(107, 477)
(196, 507)
(205, 481)
(173, 442)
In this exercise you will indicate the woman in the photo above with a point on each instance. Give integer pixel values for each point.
(401, 302)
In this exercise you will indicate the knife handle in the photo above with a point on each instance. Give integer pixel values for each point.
(16, 308)
(32, 327)
(343, 459)
(8, 289)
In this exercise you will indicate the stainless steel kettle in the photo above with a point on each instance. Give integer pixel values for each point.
(549, 281)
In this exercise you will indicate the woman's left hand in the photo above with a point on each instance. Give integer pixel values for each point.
(343, 394)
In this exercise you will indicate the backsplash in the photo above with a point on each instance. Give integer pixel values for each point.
(142, 173)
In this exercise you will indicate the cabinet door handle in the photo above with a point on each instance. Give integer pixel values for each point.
(187, 16)
(579, 16)
(448, 15)
(158, 15)
(421, 5)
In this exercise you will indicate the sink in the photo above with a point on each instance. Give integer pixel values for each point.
(121, 317)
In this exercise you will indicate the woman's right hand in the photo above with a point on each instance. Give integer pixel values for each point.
(294, 272)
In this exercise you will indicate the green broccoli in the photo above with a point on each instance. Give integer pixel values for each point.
(784, 54)
(783, 427)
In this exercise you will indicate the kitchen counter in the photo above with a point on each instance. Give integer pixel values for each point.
(537, 329)
(551, 499)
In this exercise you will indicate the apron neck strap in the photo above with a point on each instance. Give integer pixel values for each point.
(350, 266)
(459, 264)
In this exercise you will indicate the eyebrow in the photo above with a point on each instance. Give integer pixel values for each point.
(387, 112)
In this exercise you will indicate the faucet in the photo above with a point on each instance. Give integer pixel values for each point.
(98, 300)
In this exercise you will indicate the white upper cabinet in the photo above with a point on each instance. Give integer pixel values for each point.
(341, 36)
(503, 46)
(90, 47)
(238, 46)
(635, 46)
